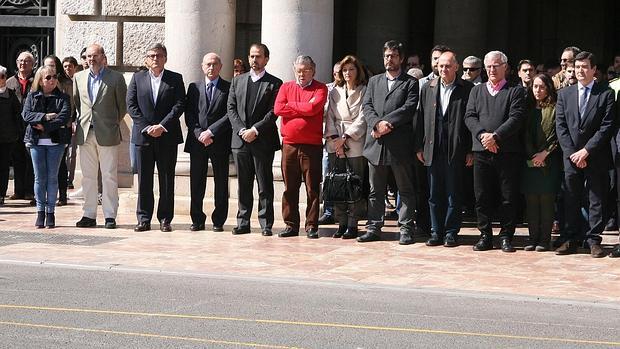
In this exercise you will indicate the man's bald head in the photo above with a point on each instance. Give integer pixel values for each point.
(211, 65)
(447, 65)
(212, 55)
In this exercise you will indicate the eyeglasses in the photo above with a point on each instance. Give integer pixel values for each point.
(471, 69)
(303, 71)
(24, 61)
(153, 56)
(50, 77)
(494, 66)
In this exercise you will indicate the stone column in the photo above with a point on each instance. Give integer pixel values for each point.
(293, 27)
(462, 26)
(194, 28)
(378, 22)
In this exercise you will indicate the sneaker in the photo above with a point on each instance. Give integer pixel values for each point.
(77, 194)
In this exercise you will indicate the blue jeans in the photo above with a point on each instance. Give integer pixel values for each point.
(46, 162)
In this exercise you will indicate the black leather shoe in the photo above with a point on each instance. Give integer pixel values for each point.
(86, 222)
(142, 226)
(340, 232)
(312, 233)
(406, 239)
(615, 253)
(267, 232)
(240, 231)
(596, 251)
(368, 237)
(351, 233)
(450, 241)
(165, 227)
(484, 244)
(110, 223)
(326, 219)
(288, 232)
(218, 228)
(435, 240)
(506, 245)
(40, 222)
(197, 227)
(569, 247)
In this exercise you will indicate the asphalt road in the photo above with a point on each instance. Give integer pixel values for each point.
(65, 307)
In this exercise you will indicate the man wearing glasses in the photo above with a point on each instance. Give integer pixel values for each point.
(22, 165)
(568, 56)
(155, 102)
(472, 69)
(495, 115)
(300, 104)
(99, 95)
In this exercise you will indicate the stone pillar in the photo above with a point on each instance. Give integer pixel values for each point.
(378, 22)
(293, 27)
(194, 28)
(462, 26)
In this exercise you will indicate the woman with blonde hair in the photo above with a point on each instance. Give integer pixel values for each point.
(345, 131)
(46, 111)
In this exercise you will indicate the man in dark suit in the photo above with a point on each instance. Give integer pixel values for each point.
(444, 146)
(495, 116)
(585, 125)
(254, 138)
(208, 137)
(389, 105)
(155, 101)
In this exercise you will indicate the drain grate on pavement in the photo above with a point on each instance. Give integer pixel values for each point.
(20, 237)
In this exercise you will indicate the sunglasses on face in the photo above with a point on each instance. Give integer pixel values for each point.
(50, 77)
(471, 69)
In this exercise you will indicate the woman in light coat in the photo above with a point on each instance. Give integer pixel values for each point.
(345, 131)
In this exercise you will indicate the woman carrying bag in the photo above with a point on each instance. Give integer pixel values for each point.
(345, 131)
(46, 111)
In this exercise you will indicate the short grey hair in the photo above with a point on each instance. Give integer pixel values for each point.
(416, 73)
(25, 53)
(495, 54)
(473, 60)
(305, 60)
(2, 70)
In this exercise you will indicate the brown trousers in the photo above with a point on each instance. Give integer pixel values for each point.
(301, 161)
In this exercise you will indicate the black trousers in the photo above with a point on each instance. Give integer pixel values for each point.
(63, 176)
(250, 164)
(198, 168)
(489, 169)
(592, 183)
(23, 173)
(165, 158)
(5, 159)
(422, 192)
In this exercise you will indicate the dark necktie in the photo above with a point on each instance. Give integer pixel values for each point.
(583, 102)
(209, 92)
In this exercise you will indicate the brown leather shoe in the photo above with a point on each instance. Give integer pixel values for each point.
(569, 247)
(596, 251)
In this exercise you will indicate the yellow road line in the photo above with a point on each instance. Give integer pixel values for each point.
(146, 335)
(313, 324)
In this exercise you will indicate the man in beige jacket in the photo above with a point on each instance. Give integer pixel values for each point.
(99, 94)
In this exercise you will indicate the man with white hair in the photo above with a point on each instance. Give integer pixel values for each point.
(22, 165)
(472, 69)
(300, 104)
(495, 114)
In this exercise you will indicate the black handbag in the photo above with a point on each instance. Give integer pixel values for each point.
(342, 186)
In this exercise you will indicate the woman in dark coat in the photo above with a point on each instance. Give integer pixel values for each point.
(10, 129)
(543, 171)
(46, 111)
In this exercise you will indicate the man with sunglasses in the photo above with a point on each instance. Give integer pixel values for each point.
(568, 56)
(99, 95)
(472, 70)
(22, 165)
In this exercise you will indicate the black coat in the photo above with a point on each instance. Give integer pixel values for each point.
(35, 108)
(593, 131)
(11, 123)
(201, 116)
(459, 138)
(166, 110)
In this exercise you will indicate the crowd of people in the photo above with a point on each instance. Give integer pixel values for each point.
(549, 136)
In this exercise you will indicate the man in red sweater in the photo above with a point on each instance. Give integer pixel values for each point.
(300, 104)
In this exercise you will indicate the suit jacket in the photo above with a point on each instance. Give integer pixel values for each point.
(262, 116)
(397, 107)
(201, 116)
(593, 131)
(107, 111)
(459, 138)
(344, 115)
(166, 110)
